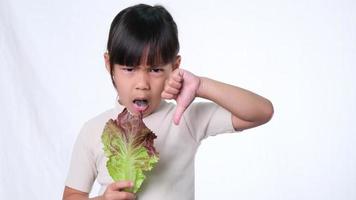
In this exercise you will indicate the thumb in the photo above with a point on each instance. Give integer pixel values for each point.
(178, 114)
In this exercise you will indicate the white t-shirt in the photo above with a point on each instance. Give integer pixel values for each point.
(173, 176)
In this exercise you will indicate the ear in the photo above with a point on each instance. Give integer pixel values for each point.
(107, 61)
(176, 63)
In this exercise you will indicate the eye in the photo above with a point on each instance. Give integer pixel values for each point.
(156, 70)
(128, 69)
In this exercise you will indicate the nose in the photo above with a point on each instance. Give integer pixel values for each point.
(142, 81)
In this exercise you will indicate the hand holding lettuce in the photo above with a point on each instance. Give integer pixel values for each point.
(128, 144)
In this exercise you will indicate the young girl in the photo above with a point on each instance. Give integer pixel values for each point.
(142, 59)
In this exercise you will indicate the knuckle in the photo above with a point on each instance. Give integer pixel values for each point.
(118, 184)
(172, 82)
(124, 195)
(123, 184)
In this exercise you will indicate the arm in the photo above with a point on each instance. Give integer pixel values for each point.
(114, 191)
(248, 109)
(73, 194)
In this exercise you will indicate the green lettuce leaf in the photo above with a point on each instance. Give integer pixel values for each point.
(128, 144)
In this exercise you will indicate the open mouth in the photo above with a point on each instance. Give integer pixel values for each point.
(140, 105)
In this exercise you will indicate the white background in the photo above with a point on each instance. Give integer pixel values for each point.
(299, 54)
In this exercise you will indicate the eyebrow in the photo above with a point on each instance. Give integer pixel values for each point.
(159, 66)
(149, 67)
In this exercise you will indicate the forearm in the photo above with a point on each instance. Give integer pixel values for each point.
(81, 197)
(242, 103)
(73, 194)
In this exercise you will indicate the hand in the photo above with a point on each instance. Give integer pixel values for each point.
(115, 191)
(181, 86)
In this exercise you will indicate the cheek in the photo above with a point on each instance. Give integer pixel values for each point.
(157, 88)
(120, 86)
(159, 83)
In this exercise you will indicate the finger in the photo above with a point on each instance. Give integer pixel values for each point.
(178, 114)
(173, 83)
(168, 96)
(114, 195)
(171, 90)
(177, 75)
(120, 185)
(126, 196)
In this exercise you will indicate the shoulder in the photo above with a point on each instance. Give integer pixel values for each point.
(100, 119)
(207, 119)
(92, 129)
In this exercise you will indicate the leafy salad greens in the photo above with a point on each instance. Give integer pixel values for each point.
(128, 145)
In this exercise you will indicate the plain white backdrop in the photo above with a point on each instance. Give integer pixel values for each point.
(299, 54)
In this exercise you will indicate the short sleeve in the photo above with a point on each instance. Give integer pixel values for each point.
(207, 119)
(82, 171)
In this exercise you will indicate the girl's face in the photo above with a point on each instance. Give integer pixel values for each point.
(139, 88)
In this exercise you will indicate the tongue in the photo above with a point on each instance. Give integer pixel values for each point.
(140, 105)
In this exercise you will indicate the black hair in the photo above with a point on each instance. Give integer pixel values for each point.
(142, 33)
